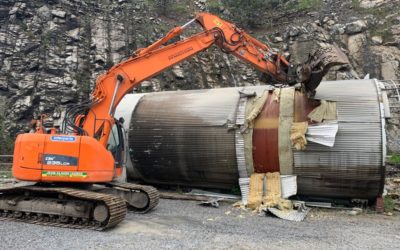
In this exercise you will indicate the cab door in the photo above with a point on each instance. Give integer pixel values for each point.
(116, 145)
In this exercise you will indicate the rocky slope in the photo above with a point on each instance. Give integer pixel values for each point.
(52, 50)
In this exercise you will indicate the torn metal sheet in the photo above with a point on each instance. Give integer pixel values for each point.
(288, 186)
(292, 215)
(211, 203)
(323, 133)
(244, 189)
(213, 194)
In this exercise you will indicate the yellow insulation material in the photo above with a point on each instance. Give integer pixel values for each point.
(265, 191)
(297, 135)
(256, 190)
(257, 106)
(325, 111)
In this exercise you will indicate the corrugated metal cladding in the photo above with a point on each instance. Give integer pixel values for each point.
(186, 138)
(353, 167)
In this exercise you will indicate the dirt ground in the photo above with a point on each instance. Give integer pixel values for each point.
(178, 224)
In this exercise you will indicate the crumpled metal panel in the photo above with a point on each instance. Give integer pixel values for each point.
(352, 168)
(239, 139)
(186, 138)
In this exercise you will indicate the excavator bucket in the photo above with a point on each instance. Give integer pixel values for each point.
(319, 63)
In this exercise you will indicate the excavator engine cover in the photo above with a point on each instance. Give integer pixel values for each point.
(61, 158)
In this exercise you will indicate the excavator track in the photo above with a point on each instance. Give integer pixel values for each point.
(112, 209)
(152, 195)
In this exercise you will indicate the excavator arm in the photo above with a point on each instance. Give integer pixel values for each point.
(112, 86)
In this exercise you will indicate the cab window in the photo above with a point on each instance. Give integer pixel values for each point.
(115, 143)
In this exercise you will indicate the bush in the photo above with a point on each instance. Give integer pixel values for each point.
(250, 13)
(214, 6)
(388, 204)
(169, 7)
(305, 4)
(394, 159)
(6, 141)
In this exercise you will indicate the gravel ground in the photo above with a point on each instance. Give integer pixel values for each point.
(186, 225)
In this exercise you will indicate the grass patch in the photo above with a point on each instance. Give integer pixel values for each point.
(388, 204)
(178, 8)
(214, 6)
(394, 159)
(355, 4)
(386, 13)
(306, 5)
(169, 8)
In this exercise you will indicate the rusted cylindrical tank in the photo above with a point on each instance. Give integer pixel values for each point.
(201, 138)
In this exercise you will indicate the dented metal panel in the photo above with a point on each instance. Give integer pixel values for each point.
(186, 138)
(353, 166)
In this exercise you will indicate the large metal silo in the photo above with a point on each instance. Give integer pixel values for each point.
(200, 138)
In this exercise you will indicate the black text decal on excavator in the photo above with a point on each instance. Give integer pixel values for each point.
(60, 160)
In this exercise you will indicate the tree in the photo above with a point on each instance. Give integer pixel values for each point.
(162, 6)
(249, 13)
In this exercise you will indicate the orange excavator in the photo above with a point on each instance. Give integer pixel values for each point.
(69, 175)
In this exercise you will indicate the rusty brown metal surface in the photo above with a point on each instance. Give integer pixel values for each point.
(302, 106)
(265, 138)
(265, 133)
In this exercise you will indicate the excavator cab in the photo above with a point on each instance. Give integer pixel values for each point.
(116, 144)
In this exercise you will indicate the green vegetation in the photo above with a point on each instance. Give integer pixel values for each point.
(169, 7)
(305, 5)
(253, 13)
(214, 6)
(386, 14)
(388, 204)
(355, 4)
(6, 141)
(178, 8)
(309, 4)
(394, 159)
(381, 31)
(247, 12)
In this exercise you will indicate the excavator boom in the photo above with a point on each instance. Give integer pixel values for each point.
(148, 62)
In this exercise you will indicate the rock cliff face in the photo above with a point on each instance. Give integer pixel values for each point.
(51, 51)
